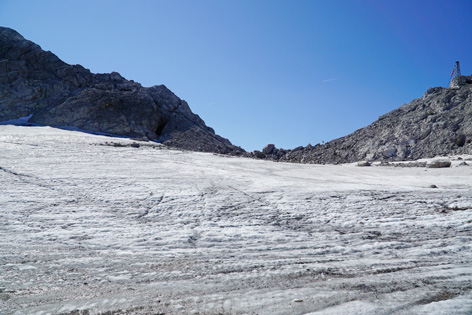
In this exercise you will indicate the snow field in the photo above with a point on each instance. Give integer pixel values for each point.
(90, 223)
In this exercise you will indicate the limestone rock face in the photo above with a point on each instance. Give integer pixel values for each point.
(34, 81)
(439, 123)
(459, 81)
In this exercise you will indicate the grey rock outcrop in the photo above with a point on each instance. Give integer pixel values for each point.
(34, 81)
(439, 164)
(439, 123)
(459, 81)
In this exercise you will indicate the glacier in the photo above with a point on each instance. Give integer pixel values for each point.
(91, 224)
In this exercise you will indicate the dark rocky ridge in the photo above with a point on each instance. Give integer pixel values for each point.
(34, 81)
(439, 123)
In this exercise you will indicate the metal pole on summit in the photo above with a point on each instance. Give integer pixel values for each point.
(458, 69)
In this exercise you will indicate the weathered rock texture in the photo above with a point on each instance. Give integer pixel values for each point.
(34, 81)
(439, 123)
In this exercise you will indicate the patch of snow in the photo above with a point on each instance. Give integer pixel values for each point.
(22, 121)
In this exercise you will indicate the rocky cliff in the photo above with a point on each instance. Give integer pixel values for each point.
(34, 81)
(439, 123)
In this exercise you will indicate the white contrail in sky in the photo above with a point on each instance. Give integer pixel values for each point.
(327, 80)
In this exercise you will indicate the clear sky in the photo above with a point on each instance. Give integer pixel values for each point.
(288, 72)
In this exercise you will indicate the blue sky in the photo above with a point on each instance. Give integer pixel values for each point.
(287, 72)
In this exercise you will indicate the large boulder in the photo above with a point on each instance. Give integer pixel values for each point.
(269, 149)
